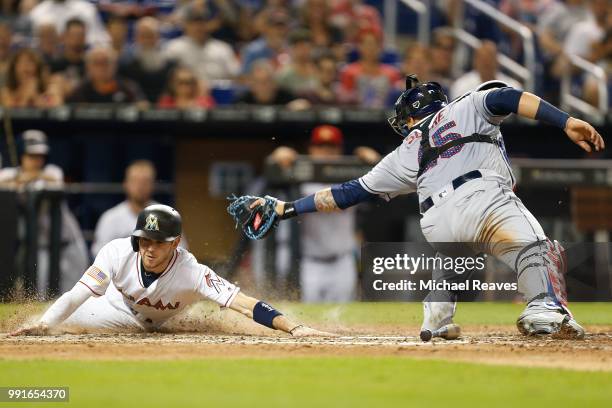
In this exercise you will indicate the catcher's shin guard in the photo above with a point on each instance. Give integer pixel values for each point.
(540, 268)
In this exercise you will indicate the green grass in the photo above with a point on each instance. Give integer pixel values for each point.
(322, 381)
(308, 382)
(412, 313)
(389, 313)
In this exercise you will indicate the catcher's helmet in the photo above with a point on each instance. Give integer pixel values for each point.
(419, 99)
(157, 222)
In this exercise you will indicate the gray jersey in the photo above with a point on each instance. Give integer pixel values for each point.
(397, 173)
(318, 228)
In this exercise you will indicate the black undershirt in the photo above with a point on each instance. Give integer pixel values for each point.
(147, 277)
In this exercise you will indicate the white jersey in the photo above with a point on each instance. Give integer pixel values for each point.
(116, 274)
(397, 173)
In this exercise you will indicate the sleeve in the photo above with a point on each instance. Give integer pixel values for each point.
(396, 173)
(54, 172)
(212, 286)
(98, 276)
(96, 33)
(575, 41)
(65, 305)
(478, 99)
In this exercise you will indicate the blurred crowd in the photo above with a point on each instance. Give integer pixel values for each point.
(200, 54)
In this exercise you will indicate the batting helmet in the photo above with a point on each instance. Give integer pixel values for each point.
(157, 222)
(419, 99)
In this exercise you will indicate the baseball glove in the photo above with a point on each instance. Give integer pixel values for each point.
(255, 222)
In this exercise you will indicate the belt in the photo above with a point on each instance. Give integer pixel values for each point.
(325, 259)
(458, 182)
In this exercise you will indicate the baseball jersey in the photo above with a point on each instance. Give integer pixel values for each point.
(184, 282)
(397, 173)
(318, 227)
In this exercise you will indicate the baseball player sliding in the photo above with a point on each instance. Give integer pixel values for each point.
(141, 281)
(453, 156)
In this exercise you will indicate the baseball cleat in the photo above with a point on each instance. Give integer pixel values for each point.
(449, 331)
(425, 335)
(554, 323)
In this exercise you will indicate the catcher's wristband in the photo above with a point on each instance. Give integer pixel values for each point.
(289, 211)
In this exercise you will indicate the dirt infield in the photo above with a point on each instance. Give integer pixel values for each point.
(502, 347)
(207, 332)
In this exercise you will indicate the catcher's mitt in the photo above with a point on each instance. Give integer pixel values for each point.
(255, 222)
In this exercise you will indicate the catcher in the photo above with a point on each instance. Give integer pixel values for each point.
(141, 281)
(453, 155)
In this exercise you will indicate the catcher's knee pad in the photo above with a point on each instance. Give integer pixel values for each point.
(540, 268)
(438, 310)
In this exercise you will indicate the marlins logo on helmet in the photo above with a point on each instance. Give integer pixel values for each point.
(151, 223)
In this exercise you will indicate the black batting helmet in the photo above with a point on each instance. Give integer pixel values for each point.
(419, 99)
(157, 222)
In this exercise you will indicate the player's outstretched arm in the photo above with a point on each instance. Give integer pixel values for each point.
(266, 315)
(334, 198)
(258, 215)
(509, 100)
(61, 309)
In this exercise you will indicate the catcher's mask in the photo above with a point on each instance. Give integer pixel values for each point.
(419, 99)
(157, 222)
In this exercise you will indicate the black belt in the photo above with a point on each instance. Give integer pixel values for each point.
(458, 182)
(325, 259)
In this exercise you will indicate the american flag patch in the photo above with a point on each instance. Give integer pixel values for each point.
(96, 274)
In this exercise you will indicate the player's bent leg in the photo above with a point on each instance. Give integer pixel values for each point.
(541, 268)
(513, 235)
(438, 311)
(98, 314)
(439, 305)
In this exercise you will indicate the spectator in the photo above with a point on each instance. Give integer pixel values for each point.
(47, 42)
(316, 16)
(102, 84)
(35, 171)
(61, 11)
(148, 66)
(601, 54)
(6, 40)
(71, 64)
(417, 60)
(353, 17)
(485, 66)
(584, 35)
(326, 90)
(556, 22)
(224, 17)
(368, 81)
(209, 58)
(34, 149)
(442, 49)
(267, 10)
(28, 84)
(119, 221)
(271, 46)
(118, 28)
(263, 89)
(185, 92)
(299, 76)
